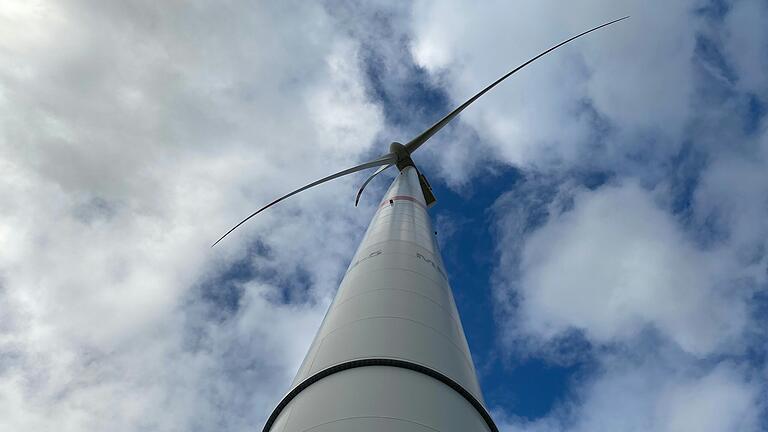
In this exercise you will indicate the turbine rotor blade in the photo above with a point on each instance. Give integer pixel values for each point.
(378, 171)
(387, 159)
(427, 134)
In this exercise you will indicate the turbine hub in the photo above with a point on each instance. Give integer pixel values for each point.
(399, 150)
(403, 157)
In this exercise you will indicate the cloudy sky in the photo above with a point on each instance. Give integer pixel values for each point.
(603, 214)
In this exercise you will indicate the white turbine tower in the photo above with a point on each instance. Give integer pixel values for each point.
(391, 354)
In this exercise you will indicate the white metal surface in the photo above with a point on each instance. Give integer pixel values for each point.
(394, 304)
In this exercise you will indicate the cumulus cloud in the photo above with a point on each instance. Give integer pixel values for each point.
(639, 224)
(745, 43)
(617, 263)
(656, 299)
(131, 136)
(733, 196)
(612, 89)
(659, 395)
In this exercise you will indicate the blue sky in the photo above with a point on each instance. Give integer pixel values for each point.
(602, 214)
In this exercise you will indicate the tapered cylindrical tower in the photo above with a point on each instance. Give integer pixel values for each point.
(391, 354)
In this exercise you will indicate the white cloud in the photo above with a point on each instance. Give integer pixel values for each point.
(661, 394)
(635, 76)
(745, 43)
(733, 192)
(131, 136)
(616, 264)
(649, 397)
(719, 401)
(671, 265)
(612, 263)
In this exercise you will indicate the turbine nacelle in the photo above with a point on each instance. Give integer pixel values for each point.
(400, 154)
(398, 149)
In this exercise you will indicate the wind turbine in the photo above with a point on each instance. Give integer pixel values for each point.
(391, 352)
